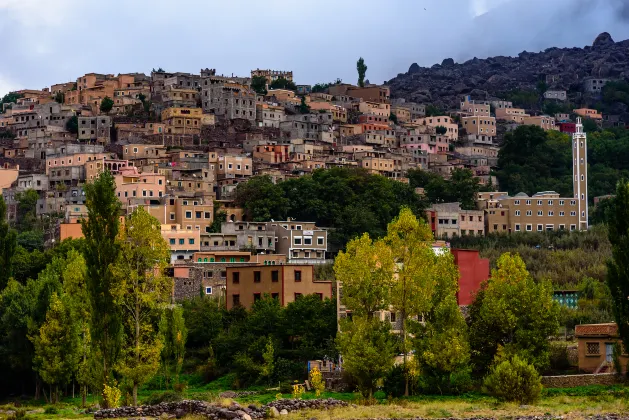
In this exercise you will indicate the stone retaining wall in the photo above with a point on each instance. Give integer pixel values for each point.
(211, 411)
(567, 381)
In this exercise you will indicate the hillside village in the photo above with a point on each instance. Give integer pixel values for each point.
(194, 150)
(179, 145)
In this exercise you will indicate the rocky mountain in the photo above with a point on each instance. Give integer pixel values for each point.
(497, 77)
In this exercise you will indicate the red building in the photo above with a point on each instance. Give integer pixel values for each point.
(567, 127)
(473, 272)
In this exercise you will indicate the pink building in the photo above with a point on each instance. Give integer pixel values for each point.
(130, 184)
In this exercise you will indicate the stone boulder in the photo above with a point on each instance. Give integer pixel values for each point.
(603, 40)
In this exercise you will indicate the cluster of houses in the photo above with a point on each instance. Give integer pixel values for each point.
(178, 144)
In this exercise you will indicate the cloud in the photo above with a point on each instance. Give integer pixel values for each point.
(53, 41)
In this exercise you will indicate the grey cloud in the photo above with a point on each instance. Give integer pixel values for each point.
(319, 40)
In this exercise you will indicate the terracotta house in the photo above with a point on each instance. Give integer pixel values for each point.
(596, 347)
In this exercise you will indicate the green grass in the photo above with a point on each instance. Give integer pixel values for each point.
(577, 402)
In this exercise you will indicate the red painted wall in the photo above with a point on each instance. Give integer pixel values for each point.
(568, 127)
(473, 271)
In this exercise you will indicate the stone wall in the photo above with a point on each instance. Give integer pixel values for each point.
(568, 381)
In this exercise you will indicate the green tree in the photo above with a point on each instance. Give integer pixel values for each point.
(172, 329)
(361, 67)
(441, 130)
(258, 84)
(261, 199)
(367, 347)
(106, 105)
(365, 271)
(304, 108)
(513, 312)
(57, 346)
(101, 251)
(8, 242)
(282, 83)
(433, 111)
(393, 117)
(9, 98)
(269, 360)
(590, 126)
(26, 207)
(603, 211)
(72, 125)
(60, 97)
(412, 283)
(618, 266)
(74, 286)
(140, 288)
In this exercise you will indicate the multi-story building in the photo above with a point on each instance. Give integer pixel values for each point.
(301, 242)
(251, 235)
(185, 120)
(272, 75)
(594, 84)
(228, 98)
(480, 126)
(183, 243)
(269, 115)
(468, 106)
(543, 121)
(131, 185)
(448, 220)
(175, 97)
(559, 95)
(516, 115)
(95, 129)
(380, 94)
(452, 128)
(588, 113)
(287, 283)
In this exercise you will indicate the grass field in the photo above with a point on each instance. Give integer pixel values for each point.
(575, 403)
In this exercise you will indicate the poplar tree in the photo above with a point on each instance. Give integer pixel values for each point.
(101, 251)
(140, 288)
(56, 347)
(8, 242)
(361, 67)
(618, 267)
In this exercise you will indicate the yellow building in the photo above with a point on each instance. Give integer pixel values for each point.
(185, 120)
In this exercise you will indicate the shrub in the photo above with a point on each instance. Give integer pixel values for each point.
(166, 396)
(394, 382)
(298, 391)
(513, 380)
(316, 380)
(111, 396)
(51, 410)
(559, 359)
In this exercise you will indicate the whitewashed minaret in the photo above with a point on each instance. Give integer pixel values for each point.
(580, 174)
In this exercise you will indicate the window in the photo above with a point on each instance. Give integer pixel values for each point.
(208, 290)
(297, 275)
(182, 241)
(297, 296)
(188, 215)
(297, 240)
(191, 241)
(197, 214)
(529, 228)
(539, 202)
(561, 202)
(528, 202)
(551, 213)
(207, 215)
(540, 228)
(236, 300)
(562, 227)
(257, 276)
(517, 212)
(573, 202)
(256, 297)
(573, 213)
(561, 213)
(517, 227)
(529, 212)
(172, 216)
(592, 349)
(307, 241)
(550, 202)
(172, 242)
(275, 276)
(236, 277)
(516, 202)
(275, 295)
(573, 227)
(540, 213)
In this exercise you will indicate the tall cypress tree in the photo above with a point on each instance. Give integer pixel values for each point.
(618, 267)
(101, 251)
(8, 241)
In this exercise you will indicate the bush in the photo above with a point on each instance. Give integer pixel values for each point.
(160, 397)
(394, 382)
(513, 380)
(111, 396)
(51, 410)
(448, 383)
(559, 359)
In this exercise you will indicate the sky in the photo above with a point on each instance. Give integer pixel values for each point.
(55, 41)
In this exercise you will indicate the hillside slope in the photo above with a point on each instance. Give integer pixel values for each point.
(498, 77)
